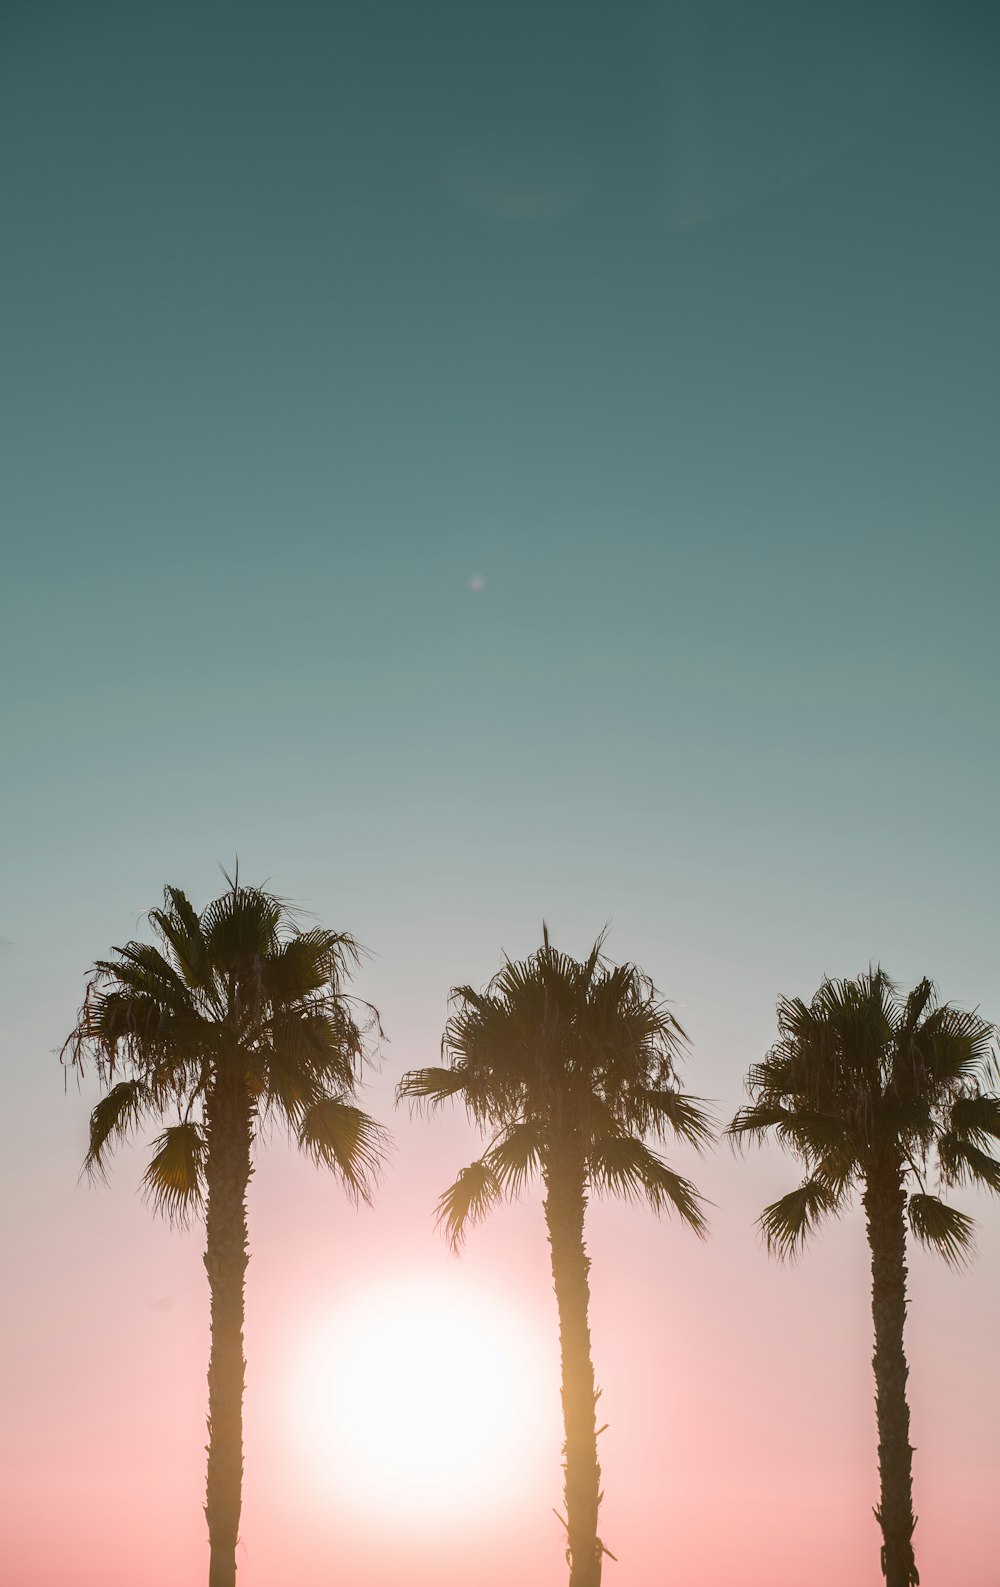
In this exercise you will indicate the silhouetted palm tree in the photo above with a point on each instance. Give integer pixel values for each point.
(871, 1091)
(569, 1067)
(239, 1021)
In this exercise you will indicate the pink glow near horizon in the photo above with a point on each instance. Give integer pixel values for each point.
(741, 1443)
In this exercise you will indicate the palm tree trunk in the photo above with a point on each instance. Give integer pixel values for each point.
(565, 1204)
(227, 1172)
(884, 1201)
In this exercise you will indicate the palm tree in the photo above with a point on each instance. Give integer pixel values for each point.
(235, 1021)
(871, 1091)
(568, 1067)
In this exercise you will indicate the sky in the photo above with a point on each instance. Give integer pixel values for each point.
(481, 464)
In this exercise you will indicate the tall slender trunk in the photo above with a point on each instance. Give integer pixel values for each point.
(565, 1204)
(884, 1202)
(227, 1172)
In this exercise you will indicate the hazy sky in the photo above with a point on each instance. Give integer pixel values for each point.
(480, 462)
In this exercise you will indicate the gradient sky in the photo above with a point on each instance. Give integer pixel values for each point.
(672, 328)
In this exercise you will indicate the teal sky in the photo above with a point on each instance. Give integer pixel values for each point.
(314, 314)
(486, 461)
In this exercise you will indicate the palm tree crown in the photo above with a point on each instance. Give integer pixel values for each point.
(558, 1049)
(862, 1078)
(233, 994)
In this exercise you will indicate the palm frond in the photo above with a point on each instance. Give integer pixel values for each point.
(282, 1089)
(474, 1194)
(174, 1180)
(915, 1008)
(178, 925)
(755, 1119)
(432, 1085)
(516, 1157)
(309, 961)
(240, 928)
(622, 1165)
(775, 1075)
(787, 1223)
(689, 1118)
(320, 1037)
(815, 1135)
(956, 1046)
(462, 997)
(123, 1027)
(339, 1136)
(811, 1134)
(942, 1228)
(961, 1161)
(839, 1171)
(141, 968)
(976, 1119)
(913, 1120)
(113, 1118)
(180, 908)
(838, 1041)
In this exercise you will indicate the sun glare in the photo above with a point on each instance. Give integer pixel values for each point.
(423, 1395)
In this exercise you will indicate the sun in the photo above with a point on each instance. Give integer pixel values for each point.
(424, 1394)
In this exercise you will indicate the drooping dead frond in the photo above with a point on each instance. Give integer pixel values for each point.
(114, 1117)
(174, 1180)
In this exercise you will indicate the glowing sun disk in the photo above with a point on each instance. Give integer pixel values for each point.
(420, 1396)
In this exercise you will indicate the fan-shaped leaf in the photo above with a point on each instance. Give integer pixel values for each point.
(516, 1157)
(114, 1116)
(174, 1180)
(756, 1119)
(178, 925)
(622, 1165)
(432, 1085)
(961, 1161)
(688, 1117)
(976, 1119)
(475, 1193)
(787, 1223)
(339, 1136)
(942, 1228)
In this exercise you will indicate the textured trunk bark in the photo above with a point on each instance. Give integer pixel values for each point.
(227, 1172)
(885, 1200)
(565, 1204)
